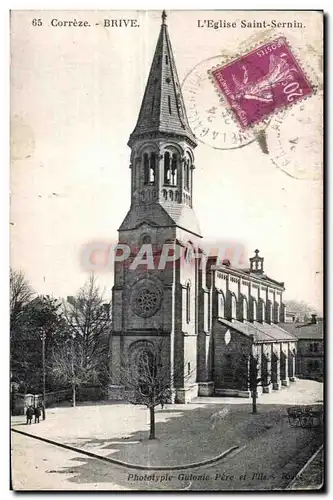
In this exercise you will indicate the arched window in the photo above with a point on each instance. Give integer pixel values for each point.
(147, 370)
(152, 168)
(188, 303)
(146, 239)
(174, 170)
(221, 306)
(269, 311)
(263, 313)
(149, 168)
(146, 173)
(167, 168)
(187, 174)
(233, 307)
(244, 309)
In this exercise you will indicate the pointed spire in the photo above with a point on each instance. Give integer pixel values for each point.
(162, 110)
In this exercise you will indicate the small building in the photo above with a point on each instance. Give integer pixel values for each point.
(291, 317)
(310, 347)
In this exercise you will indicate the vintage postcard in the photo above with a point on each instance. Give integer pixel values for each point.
(166, 280)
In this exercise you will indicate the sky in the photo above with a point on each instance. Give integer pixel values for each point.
(75, 98)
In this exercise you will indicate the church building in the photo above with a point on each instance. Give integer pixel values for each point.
(210, 316)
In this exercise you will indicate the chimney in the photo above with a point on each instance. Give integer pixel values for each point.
(313, 319)
(226, 262)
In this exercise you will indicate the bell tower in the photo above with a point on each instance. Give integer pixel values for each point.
(162, 144)
(154, 302)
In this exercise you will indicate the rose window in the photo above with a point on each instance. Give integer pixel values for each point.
(146, 302)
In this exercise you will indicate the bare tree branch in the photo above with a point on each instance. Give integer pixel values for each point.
(88, 319)
(21, 293)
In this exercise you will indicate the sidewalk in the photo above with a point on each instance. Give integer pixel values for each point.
(311, 477)
(298, 393)
(185, 433)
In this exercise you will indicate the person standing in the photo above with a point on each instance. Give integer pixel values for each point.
(37, 414)
(29, 414)
(42, 407)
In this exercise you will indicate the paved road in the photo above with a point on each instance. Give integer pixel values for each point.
(41, 466)
(268, 462)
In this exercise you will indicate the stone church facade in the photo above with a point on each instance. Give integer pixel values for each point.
(209, 316)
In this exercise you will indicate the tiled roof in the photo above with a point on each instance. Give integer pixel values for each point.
(162, 109)
(306, 330)
(262, 332)
(183, 216)
(162, 215)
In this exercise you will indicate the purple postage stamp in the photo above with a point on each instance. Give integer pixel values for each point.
(262, 81)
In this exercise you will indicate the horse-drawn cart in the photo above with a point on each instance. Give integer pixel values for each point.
(305, 416)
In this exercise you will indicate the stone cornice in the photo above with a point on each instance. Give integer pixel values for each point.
(252, 279)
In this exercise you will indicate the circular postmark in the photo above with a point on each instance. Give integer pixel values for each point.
(210, 116)
(295, 140)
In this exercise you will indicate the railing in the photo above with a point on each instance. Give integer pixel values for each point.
(21, 401)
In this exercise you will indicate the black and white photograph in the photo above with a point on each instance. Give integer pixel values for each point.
(166, 250)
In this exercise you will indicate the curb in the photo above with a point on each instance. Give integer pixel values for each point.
(128, 465)
(300, 472)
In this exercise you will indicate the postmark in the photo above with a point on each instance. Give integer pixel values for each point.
(210, 115)
(261, 82)
(295, 140)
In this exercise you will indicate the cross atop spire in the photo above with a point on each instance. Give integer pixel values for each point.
(163, 110)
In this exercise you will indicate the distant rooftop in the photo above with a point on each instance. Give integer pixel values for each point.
(308, 330)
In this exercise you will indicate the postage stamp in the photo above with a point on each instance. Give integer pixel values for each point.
(210, 115)
(261, 82)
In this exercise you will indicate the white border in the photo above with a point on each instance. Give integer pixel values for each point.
(4, 179)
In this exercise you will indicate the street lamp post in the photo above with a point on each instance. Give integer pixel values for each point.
(43, 337)
(73, 370)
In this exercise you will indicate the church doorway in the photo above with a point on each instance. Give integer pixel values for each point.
(147, 370)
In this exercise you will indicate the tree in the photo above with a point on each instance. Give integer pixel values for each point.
(41, 326)
(254, 380)
(148, 380)
(88, 321)
(249, 373)
(21, 293)
(302, 310)
(69, 365)
(30, 317)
